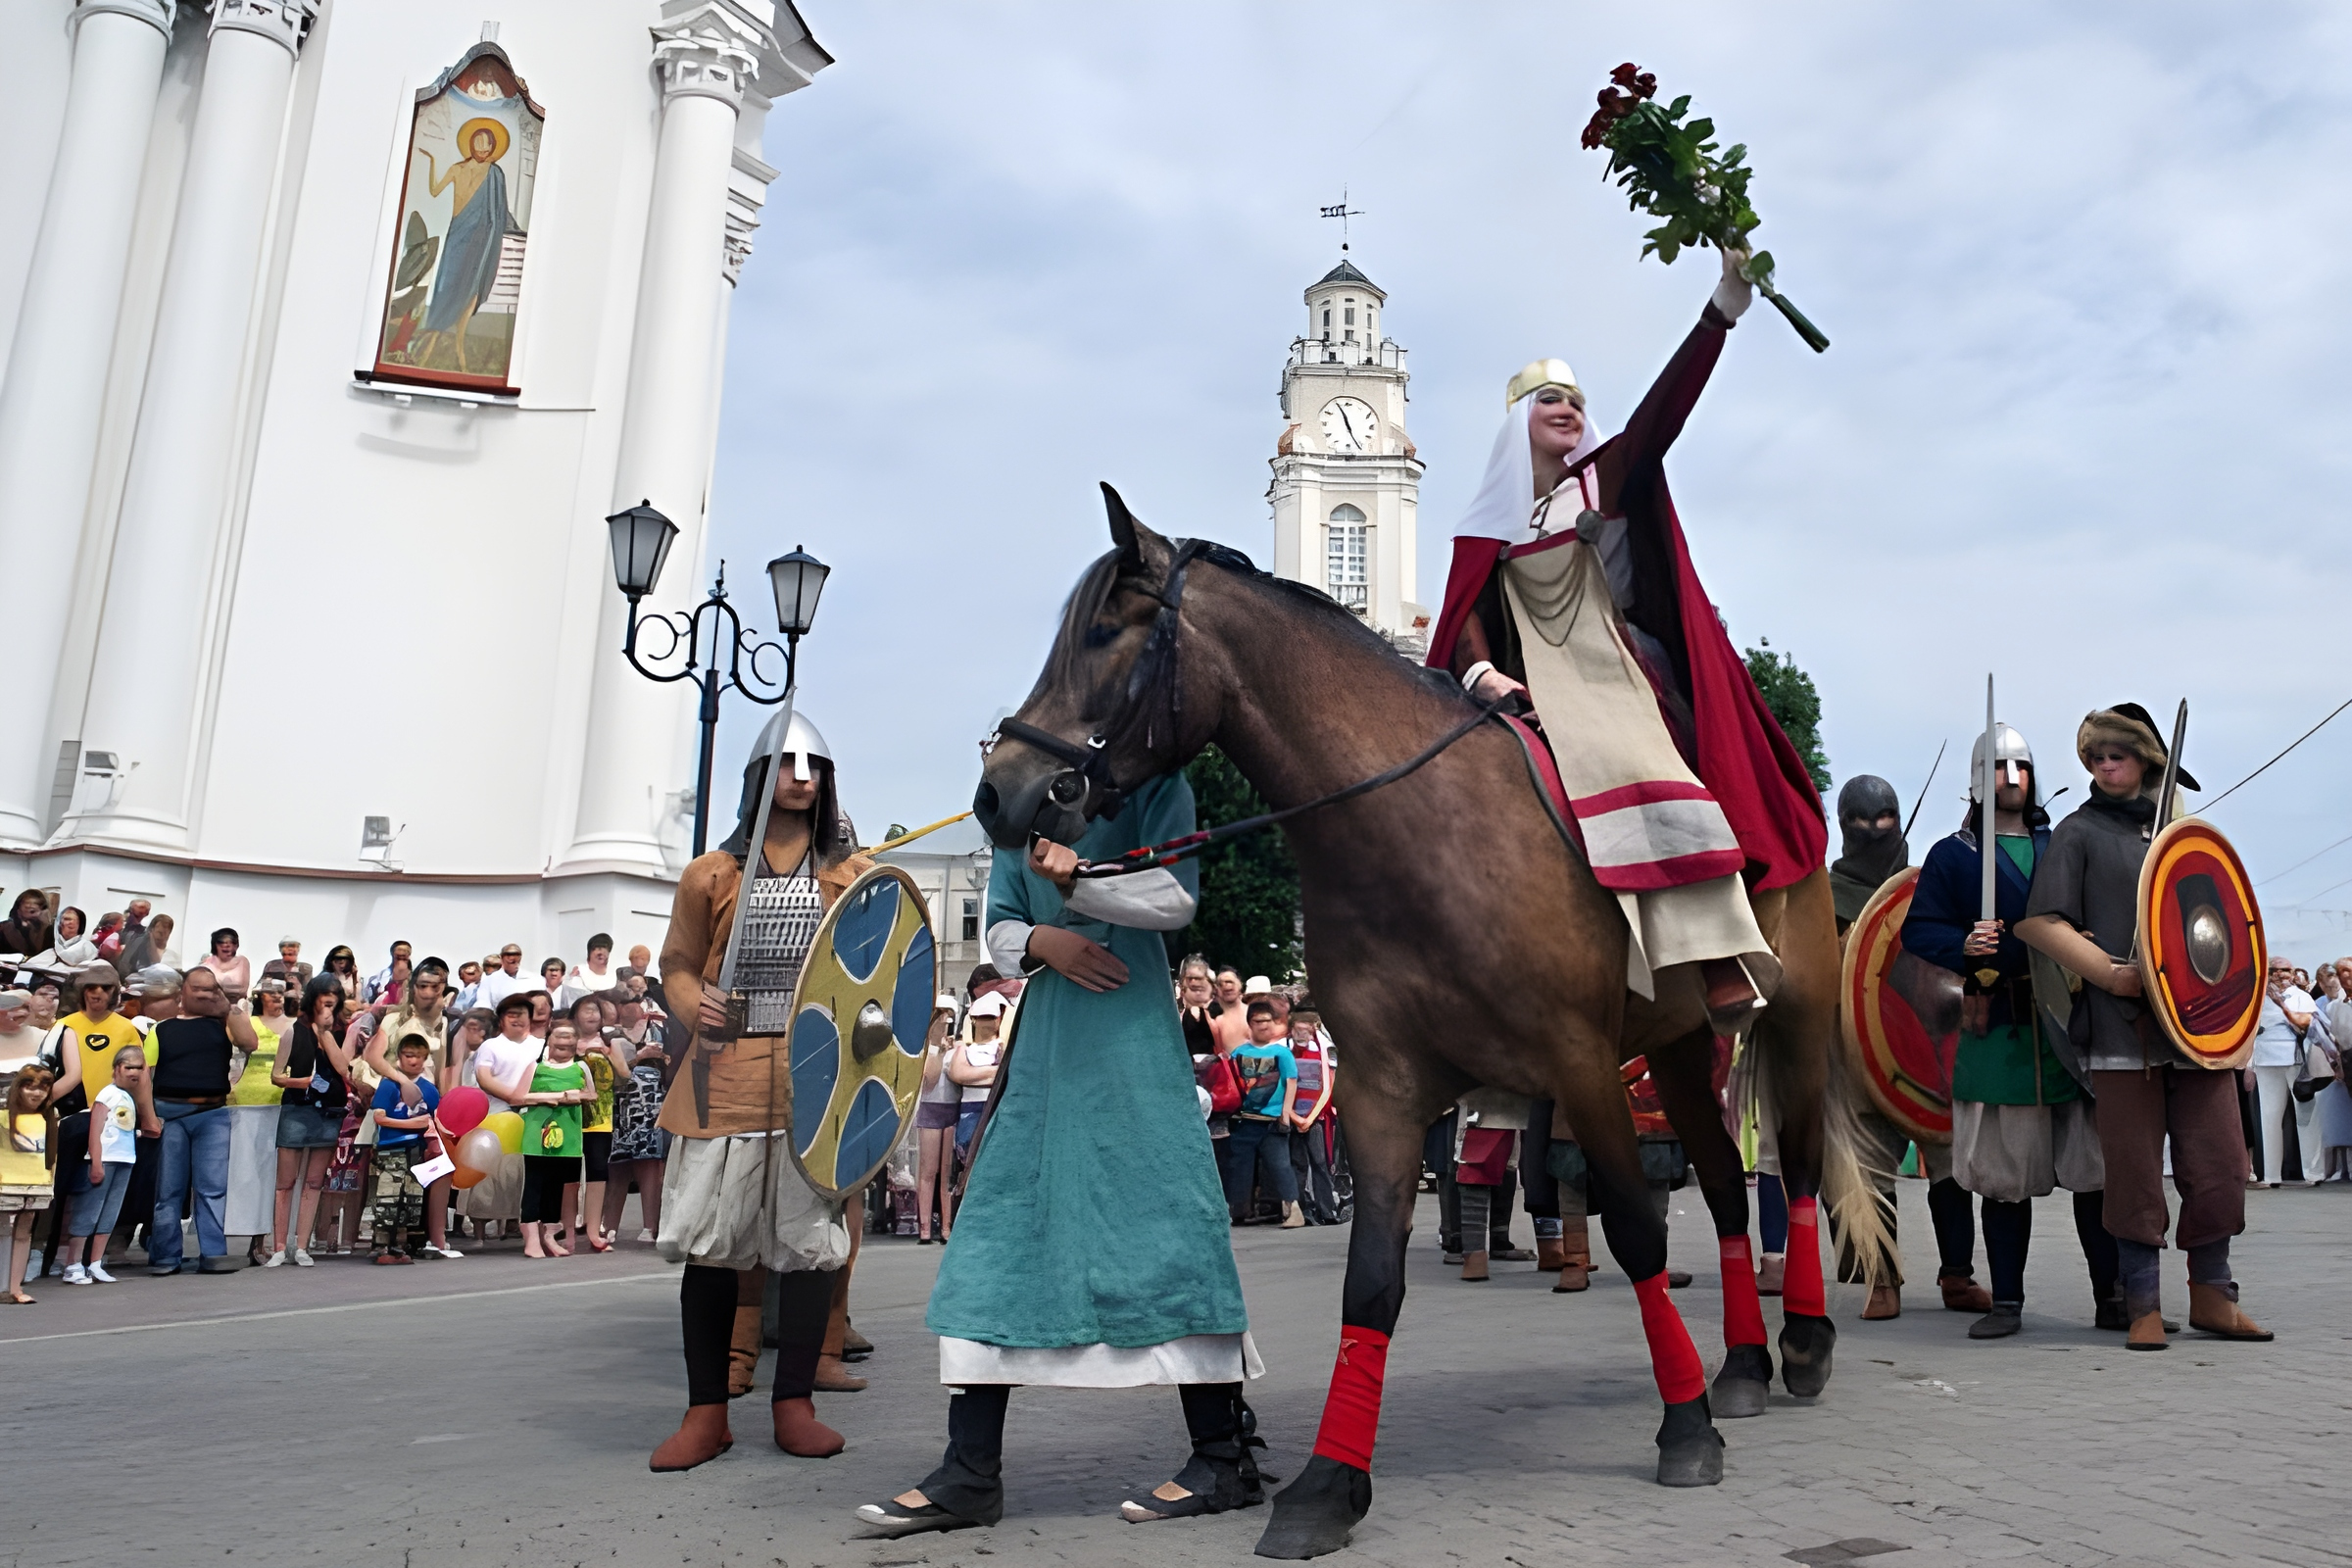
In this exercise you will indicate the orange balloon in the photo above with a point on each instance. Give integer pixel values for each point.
(466, 1176)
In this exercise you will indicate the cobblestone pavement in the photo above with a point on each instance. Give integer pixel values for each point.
(498, 1411)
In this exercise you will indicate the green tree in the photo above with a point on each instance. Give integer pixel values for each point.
(1249, 913)
(1790, 695)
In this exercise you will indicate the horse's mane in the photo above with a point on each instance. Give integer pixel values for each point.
(1102, 578)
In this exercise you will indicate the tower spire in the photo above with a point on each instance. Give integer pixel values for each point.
(1343, 213)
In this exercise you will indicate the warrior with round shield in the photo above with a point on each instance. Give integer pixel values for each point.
(2084, 912)
(2022, 1120)
(735, 1205)
(1873, 849)
(1094, 1102)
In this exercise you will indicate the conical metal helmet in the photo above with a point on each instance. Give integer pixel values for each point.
(803, 744)
(2010, 751)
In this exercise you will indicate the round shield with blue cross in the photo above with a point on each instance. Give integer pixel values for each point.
(859, 1017)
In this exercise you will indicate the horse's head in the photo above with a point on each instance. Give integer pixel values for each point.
(1107, 713)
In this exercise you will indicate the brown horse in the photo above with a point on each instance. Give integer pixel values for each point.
(1457, 939)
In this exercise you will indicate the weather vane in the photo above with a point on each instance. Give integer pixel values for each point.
(1343, 213)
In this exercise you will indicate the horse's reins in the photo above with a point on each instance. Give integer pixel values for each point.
(1090, 762)
(1191, 843)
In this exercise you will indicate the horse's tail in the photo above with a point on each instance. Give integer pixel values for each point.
(1860, 1220)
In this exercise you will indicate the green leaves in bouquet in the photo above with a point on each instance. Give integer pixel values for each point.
(1669, 166)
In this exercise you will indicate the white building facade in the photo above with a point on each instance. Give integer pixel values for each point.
(1346, 486)
(343, 326)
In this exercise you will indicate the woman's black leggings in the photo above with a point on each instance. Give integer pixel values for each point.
(543, 1179)
(706, 1300)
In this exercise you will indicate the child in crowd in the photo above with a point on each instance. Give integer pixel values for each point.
(401, 1130)
(551, 1138)
(94, 1199)
(27, 1148)
(1259, 1148)
(1310, 1117)
(972, 1067)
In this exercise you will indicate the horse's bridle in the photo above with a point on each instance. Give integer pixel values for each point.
(1155, 692)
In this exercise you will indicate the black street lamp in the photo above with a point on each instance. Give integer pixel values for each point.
(641, 541)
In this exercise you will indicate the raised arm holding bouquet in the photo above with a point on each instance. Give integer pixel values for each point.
(1669, 168)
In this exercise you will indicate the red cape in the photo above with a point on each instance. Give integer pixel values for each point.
(1743, 760)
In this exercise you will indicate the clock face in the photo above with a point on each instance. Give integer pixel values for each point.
(1350, 426)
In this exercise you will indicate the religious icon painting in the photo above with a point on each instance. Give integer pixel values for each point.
(464, 221)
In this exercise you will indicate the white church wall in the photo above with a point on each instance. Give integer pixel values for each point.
(40, 61)
(469, 531)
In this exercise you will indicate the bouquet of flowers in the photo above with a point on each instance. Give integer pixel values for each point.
(1669, 168)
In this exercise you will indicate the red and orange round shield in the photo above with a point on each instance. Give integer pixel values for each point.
(1900, 1017)
(2201, 954)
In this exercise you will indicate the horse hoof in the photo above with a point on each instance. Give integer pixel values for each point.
(1805, 1346)
(1316, 1513)
(1689, 1448)
(1743, 1384)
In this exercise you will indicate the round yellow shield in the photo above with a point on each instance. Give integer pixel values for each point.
(859, 1017)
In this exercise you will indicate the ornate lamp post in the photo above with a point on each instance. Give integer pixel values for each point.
(641, 541)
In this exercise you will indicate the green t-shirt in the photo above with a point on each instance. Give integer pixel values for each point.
(554, 1130)
(2013, 1065)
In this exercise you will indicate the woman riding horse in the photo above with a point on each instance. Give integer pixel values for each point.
(1458, 933)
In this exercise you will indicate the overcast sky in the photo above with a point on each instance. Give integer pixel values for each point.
(2081, 426)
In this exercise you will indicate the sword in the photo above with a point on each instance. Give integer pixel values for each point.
(1923, 789)
(2170, 796)
(1986, 784)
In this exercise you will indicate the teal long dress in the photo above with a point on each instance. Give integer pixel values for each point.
(1094, 1213)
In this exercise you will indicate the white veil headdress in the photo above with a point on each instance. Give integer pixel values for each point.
(1505, 505)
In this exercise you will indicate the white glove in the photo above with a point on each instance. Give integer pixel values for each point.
(1735, 294)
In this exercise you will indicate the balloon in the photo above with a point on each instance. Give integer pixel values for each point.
(509, 1127)
(479, 1150)
(466, 1177)
(462, 1109)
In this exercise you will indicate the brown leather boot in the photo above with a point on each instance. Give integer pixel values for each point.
(2147, 1332)
(1772, 1272)
(801, 1433)
(1885, 1301)
(701, 1437)
(742, 1352)
(834, 1378)
(1550, 1255)
(1474, 1265)
(1576, 1257)
(2211, 1310)
(1962, 1293)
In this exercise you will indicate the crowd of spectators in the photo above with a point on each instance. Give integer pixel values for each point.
(298, 1111)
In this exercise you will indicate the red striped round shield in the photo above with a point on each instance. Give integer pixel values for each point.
(1900, 1017)
(2201, 957)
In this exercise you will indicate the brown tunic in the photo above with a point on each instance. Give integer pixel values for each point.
(751, 1089)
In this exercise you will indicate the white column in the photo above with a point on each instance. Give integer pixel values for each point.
(56, 385)
(182, 454)
(665, 431)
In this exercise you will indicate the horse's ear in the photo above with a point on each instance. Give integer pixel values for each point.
(1124, 529)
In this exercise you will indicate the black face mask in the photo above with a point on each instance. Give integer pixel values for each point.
(1871, 853)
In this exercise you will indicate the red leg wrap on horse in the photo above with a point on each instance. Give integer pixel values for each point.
(1351, 1409)
(1672, 1356)
(1803, 1292)
(1742, 1308)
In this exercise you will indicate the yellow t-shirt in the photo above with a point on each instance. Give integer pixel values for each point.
(597, 1116)
(24, 1163)
(253, 1087)
(99, 1042)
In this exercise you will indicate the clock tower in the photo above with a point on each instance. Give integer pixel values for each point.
(1347, 482)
